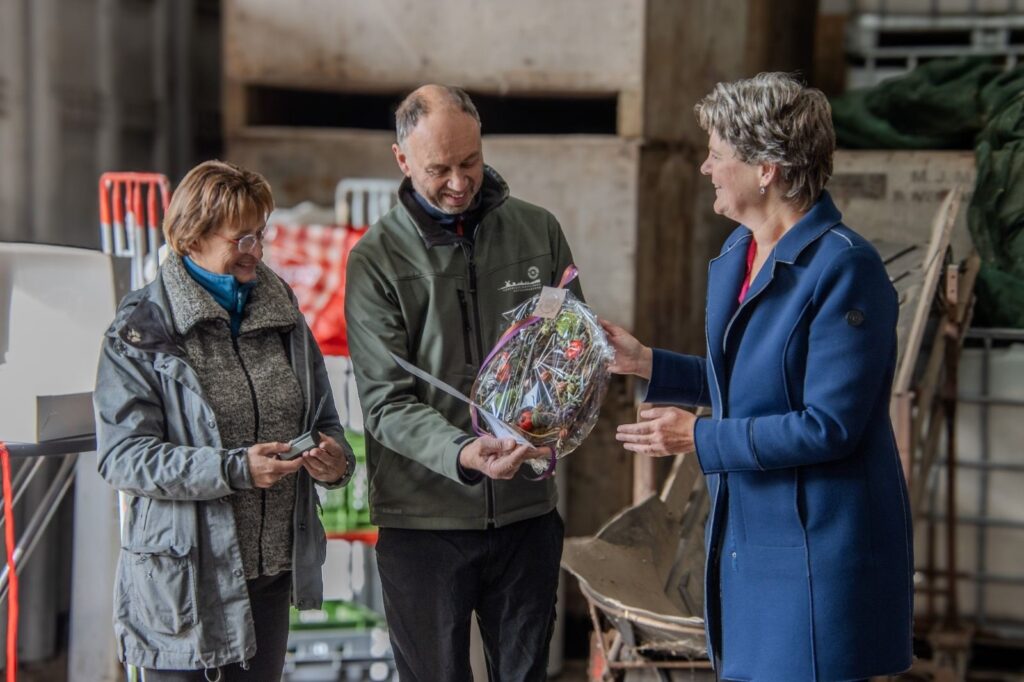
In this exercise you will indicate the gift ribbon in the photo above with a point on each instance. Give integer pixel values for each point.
(498, 427)
(514, 330)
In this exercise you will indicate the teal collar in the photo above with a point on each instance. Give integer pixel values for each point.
(225, 289)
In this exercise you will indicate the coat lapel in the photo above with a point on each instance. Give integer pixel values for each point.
(760, 283)
(725, 275)
(726, 272)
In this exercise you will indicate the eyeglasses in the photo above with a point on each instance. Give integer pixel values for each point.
(247, 243)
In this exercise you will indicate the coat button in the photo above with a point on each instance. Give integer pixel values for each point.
(734, 555)
(238, 572)
(211, 423)
(855, 318)
(302, 526)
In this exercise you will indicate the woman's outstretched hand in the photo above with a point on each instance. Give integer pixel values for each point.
(631, 356)
(664, 431)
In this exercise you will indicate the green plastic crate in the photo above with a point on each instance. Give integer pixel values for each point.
(334, 615)
(348, 509)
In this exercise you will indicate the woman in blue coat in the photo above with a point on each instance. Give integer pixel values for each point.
(809, 562)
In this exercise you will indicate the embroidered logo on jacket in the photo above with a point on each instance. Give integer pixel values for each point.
(520, 286)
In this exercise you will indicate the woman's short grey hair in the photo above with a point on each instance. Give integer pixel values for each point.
(773, 118)
(416, 106)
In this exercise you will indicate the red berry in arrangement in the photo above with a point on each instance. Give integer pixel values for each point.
(545, 375)
(574, 349)
(504, 370)
(525, 420)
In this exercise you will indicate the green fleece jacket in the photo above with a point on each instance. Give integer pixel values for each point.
(438, 300)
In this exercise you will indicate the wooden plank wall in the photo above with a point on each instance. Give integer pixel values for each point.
(528, 46)
(893, 195)
(531, 47)
(588, 183)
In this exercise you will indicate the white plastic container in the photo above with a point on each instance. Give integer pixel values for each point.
(55, 304)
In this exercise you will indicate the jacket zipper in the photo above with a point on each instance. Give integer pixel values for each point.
(464, 312)
(467, 251)
(256, 439)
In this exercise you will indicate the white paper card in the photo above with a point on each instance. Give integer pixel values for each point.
(550, 302)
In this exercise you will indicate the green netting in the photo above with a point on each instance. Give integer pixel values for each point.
(960, 104)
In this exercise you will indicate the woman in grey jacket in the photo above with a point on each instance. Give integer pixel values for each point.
(204, 376)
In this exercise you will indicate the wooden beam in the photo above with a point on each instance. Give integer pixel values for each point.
(780, 35)
(529, 46)
(942, 226)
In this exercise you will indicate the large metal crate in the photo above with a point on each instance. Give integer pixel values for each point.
(923, 7)
(880, 46)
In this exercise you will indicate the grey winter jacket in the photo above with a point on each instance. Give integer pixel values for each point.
(180, 597)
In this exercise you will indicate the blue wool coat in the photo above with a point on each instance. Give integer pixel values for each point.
(809, 564)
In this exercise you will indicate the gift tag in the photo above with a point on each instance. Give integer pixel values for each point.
(550, 302)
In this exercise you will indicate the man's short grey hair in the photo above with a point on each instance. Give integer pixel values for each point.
(773, 118)
(416, 106)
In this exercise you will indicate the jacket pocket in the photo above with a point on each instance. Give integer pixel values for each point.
(769, 506)
(162, 588)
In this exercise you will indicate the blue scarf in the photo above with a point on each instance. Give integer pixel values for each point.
(225, 289)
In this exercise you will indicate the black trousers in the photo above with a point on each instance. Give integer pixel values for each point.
(270, 598)
(434, 580)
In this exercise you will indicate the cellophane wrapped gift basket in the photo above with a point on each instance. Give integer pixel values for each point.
(548, 373)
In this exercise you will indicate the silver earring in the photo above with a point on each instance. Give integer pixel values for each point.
(762, 189)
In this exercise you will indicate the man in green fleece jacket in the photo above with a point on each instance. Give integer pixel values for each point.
(462, 530)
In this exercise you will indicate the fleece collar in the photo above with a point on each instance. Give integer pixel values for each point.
(268, 304)
(493, 193)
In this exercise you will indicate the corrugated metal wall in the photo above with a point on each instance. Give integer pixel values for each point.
(93, 85)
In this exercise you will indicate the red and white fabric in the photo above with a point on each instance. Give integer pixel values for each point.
(312, 259)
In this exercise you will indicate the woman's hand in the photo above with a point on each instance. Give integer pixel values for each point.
(327, 462)
(264, 466)
(631, 356)
(665, 431)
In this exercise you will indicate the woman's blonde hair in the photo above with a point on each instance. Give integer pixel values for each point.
(773, 118)
(212, 194)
